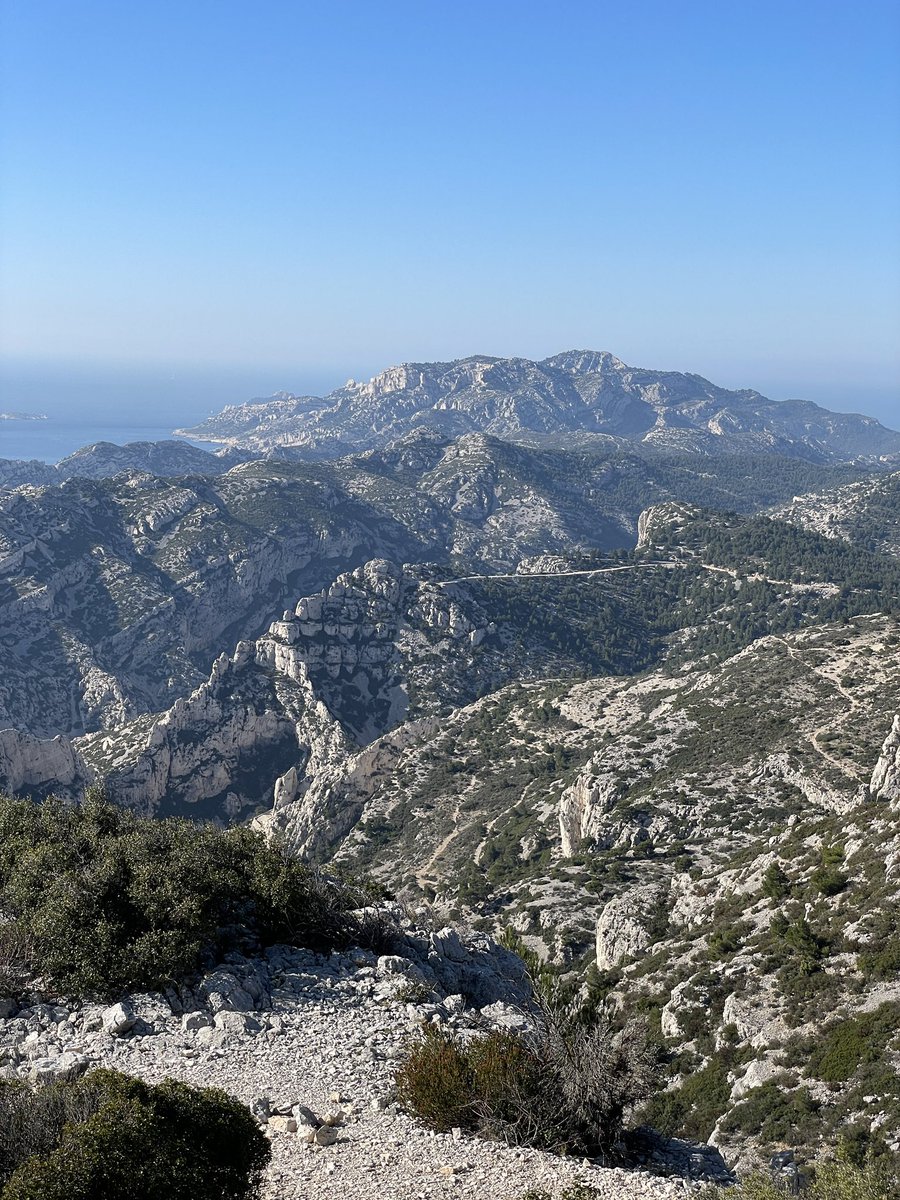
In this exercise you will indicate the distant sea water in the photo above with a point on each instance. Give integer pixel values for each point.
(52, 440)
(88, 403)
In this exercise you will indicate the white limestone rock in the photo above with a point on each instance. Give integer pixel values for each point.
(885, 782)
(118, 1019)
(625, 924)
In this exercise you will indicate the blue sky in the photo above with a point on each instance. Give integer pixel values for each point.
(317, 190)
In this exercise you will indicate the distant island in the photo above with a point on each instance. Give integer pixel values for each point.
(14, 416)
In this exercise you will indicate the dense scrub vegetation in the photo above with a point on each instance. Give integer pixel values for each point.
(95, 900)
(108, 1136)
(735, 579)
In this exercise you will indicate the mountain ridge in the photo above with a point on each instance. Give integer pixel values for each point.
(574, 392)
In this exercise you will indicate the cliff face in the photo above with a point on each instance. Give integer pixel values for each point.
(885, 781)
(291, 707)
(42, 766)
(219, 753)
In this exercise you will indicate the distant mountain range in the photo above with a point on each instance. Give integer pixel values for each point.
(582, 392)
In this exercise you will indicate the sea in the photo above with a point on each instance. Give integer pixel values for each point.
(84, 404)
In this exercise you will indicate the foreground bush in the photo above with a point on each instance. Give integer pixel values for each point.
(565, 1086)
(102, 900)
(110, 1137)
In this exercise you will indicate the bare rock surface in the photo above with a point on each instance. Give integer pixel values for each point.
(315, 1060)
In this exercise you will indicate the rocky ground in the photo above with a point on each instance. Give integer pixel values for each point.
(311, 1043)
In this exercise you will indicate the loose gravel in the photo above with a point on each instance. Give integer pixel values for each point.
(319, 1044)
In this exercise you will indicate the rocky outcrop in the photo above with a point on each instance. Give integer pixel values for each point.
(885, 782)
(38, 766)
(225, 749)
(311, 1044)
(584, 807)
(683, 1003)
(288, 710)
(345, 639)
(629, 923)
(662, 519)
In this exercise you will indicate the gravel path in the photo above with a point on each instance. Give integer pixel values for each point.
(324, 1033)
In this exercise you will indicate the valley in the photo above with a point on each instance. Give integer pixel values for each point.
(628, 705)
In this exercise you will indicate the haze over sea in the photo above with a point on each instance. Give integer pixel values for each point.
(87, 404)
(100, 403)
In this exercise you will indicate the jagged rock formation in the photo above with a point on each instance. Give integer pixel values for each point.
(277, 723)
(578, 391)
(220, 753)
(885, 781)
(668, 518)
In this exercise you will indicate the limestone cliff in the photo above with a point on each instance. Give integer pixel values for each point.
(885, 782)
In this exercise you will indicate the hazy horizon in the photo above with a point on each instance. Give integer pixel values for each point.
(182, 394)
(288, 199)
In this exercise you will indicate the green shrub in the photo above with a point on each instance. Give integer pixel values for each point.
(776, 885)
(728, 940)
(845, 1046)
(564, 1087)
(693, 1109)
(436, 1082)
(110, 1137)
(832, 1181)
(775, 1115)
(828, 878)
(106, 900)
(828, 881)
(882, 961)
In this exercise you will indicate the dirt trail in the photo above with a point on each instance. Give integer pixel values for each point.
(817, 733)
(521, 575)
(423, 878)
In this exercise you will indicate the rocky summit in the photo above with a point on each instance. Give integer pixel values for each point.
(310, 1043)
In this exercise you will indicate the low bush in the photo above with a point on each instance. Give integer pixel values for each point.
(564, 1086)
(694, 1108)
(111, 1137)
(832, 1181)
(775, 1115)
(843, 1047)
(728, 940)
(776, 886)
(104, 900)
